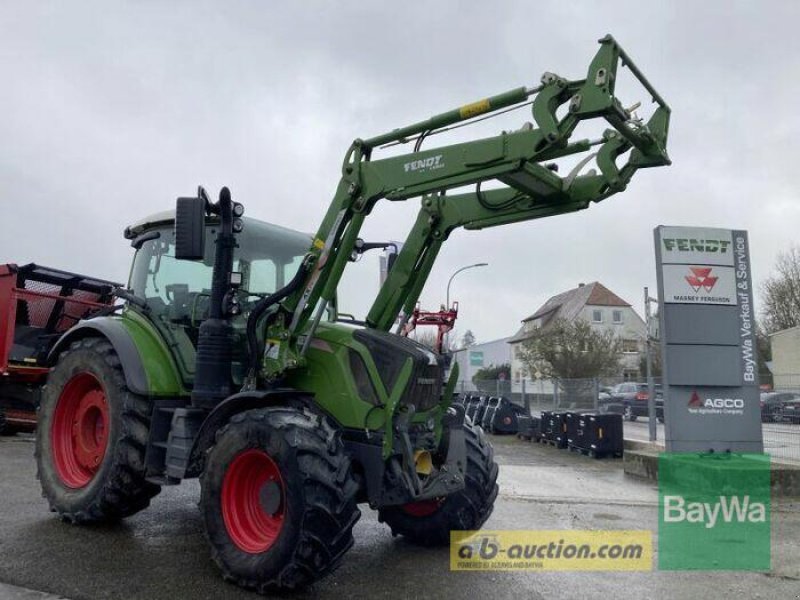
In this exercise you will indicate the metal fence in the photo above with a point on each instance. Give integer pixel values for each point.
(781, 429)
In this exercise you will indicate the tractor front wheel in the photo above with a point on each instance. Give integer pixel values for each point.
(278, 499)
(91, 437)
(429, 522)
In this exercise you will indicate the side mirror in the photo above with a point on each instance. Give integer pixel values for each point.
(190, 228)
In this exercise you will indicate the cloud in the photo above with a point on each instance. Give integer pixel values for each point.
(112, 111)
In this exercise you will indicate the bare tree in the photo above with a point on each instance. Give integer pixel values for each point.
(468, 339)
(426, 337)
(781, 293)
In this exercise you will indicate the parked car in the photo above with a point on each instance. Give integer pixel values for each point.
(780, 406)
(631, 399)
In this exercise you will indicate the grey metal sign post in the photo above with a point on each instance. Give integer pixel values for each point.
(708, 344)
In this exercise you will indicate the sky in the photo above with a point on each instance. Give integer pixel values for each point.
(111, 110)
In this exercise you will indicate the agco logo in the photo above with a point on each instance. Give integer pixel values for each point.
(700, 277)
(732, 406)
(426, 164)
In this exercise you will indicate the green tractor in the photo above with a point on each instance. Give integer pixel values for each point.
(229, 361)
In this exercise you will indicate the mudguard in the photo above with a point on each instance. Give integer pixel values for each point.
(148, 367)
(233, 405)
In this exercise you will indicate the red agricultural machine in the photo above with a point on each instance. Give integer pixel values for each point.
(37, 305)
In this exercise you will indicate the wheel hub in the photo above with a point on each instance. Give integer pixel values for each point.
(252, 501)
(80, 430)
(423, 508)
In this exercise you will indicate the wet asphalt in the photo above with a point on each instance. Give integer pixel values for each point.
(161, 553)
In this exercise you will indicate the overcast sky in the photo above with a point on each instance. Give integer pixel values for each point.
(110, 110)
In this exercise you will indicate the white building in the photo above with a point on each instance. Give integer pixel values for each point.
(478, 356)
(785, 366)
(597, 305)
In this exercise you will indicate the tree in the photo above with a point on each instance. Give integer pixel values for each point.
(655, 360)
(468, 339)
(426, 337)
(573, 353)
(571, 350)
(487, 378)
(781, 293)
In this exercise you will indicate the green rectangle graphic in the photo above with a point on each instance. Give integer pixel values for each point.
(714, 512)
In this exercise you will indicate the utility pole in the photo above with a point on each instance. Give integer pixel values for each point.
(651, 391)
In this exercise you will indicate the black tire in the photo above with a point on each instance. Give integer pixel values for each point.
(118, 488)
(317, 489)
(467, 509)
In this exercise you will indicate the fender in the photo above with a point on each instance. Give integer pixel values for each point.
(155, 376)
(233, 405)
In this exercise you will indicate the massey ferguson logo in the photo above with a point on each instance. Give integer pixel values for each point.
(426, 164)
(715, 406)
(700, 277)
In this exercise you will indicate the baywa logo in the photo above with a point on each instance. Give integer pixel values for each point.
(424, 165)
(700, 277)
(715, 406)
(692, 245)
(731, 509)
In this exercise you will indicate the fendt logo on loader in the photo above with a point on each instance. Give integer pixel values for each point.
(424, 165)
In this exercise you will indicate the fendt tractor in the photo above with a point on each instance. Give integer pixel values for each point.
(227, 359)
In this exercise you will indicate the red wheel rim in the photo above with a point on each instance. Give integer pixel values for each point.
(423, 508)
(79, 433)
(253, 506)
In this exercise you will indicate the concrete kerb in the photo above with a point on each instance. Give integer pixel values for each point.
(641, 460)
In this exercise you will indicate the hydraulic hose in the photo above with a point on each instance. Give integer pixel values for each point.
(262, 306)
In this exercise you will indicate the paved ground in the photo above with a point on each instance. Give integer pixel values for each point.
(161, 553)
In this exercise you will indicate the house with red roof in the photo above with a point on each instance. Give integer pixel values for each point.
(602, 309)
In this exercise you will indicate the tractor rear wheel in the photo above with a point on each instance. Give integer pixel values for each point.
(429, 522)
(278, 499)
(91, 437)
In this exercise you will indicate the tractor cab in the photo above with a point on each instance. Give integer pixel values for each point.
(176, 292)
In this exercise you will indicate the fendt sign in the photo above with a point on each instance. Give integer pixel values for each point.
(707, 340)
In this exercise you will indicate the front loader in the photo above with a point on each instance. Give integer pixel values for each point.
(228, 360)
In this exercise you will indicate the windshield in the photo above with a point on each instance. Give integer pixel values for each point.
(267, 256)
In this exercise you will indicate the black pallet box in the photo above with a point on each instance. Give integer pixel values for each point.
(554, 428)
(529, 428)
(598, 435)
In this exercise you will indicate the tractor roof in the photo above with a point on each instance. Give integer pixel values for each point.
(167, 217)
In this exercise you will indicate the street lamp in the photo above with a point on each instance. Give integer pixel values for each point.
(447, 300)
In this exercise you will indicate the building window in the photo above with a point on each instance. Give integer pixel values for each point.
(616, 316)
(597, 316)
(630, 346)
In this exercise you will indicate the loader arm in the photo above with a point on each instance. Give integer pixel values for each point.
(513, 159)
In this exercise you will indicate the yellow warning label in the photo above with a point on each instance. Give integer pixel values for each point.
(474, 109)
(319, 244)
